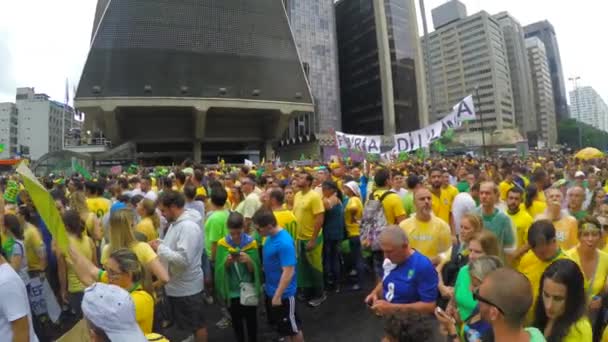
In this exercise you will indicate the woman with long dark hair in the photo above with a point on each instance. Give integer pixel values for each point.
(533, 204)
(333, 232)
(561, 305)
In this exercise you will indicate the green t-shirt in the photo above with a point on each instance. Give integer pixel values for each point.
(535, 335)
(579, 215)
(408, 203)
(500, 224)
(463, 295)
(463, 186)
(215, 228)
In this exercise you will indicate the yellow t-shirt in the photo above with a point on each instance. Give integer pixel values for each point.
(503, 189)
(442, 205)
(146, 227)
(533, 268)
(429, 238)
(305, 207)
(580, 331)
(541, 196)
(287, 220)
(201, 191)
(522, 222)
(85, 247)
(145, 254)
(144, 305)
(98, 205)
(392, 205)
(353, 212)
(32, 239)
(536, 208)
(566, 232)
(452, 192)
(601, 272)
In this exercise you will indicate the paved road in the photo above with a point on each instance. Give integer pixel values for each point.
(343, 317)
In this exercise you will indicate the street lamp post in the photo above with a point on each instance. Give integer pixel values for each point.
(483, 135)
(578, 110)
(427, 46)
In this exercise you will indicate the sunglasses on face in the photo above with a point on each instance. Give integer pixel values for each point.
(481, 299)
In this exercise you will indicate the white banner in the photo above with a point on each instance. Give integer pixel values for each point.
(365, 143)
(411, 141)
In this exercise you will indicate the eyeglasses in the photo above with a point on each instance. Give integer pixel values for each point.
(479, 298)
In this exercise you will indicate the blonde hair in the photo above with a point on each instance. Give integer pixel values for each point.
(482, 266)
(121, 230)
(474, 220)
(127, 262)
(78, 202)
(150, 211)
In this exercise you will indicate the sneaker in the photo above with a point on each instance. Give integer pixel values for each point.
(353, 273)
(208, 299)
(301, 297)
(223, 323)
(318, 301)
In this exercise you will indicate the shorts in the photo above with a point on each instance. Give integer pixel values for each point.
(285, 318)
(187, 311)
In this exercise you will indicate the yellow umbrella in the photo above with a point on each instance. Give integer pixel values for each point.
(589, 153)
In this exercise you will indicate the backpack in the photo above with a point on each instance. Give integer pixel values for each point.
(373, 220)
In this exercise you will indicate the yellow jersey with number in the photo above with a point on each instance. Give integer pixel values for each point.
(99, 206)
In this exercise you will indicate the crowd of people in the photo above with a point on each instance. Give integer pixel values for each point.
(450, 249)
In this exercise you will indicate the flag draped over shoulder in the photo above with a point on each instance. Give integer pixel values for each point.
(224, 248)
(45, 205)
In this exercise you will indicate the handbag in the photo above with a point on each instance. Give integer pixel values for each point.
(249, 296)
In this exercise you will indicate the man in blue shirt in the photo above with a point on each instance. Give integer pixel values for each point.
(410, 280)
(279, 259)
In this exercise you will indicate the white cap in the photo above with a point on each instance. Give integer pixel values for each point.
(579, 174)
(354, 187)
(111, 309)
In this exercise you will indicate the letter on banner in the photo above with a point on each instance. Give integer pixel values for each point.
(450, 121)
(465, 109)
(434, 131)
(403, 142)
(365, 143)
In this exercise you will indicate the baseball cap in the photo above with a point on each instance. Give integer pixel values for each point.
(354, 187)
(579, 174)
(111, 309)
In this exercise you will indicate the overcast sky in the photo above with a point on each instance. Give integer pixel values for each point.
(44, 42)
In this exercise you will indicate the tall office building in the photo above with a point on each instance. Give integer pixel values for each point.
(381, 68)
(469, 53)
(313, 25)
(589, 107)
(9, 130)
(546, 33)
(543, 94)
(521, 77)
(40, 122)
(193, 78)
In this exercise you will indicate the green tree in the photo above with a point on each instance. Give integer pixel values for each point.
(568, 134)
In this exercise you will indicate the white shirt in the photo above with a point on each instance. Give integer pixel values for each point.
(401, 192)
(14, 303)
(463, 203)
(151, 195)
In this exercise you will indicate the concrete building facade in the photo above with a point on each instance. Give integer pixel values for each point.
(546, 33)
(469, 56)
(543, 93)
(521, 76)
(198, 79)
(9, 130)
(587, 106)
(381, 69)
(42, 122)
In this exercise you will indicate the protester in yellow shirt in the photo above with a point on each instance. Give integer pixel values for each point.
(35, 250)
(544, 250)
(97, 204)
(449, 188)
(521, 221)
(441, 203)
(124, 270)
(285, 217)
(592, 261)
(565, 225)
(393, 207)
(353, 212)
(72, 289)
(150, 222)
(561, 309)
(308, 209)
(92, 226)
(533, 205)
(122, 236)
(427, 233)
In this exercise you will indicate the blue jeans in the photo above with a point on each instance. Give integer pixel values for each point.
(331, 260)
(357, 256)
